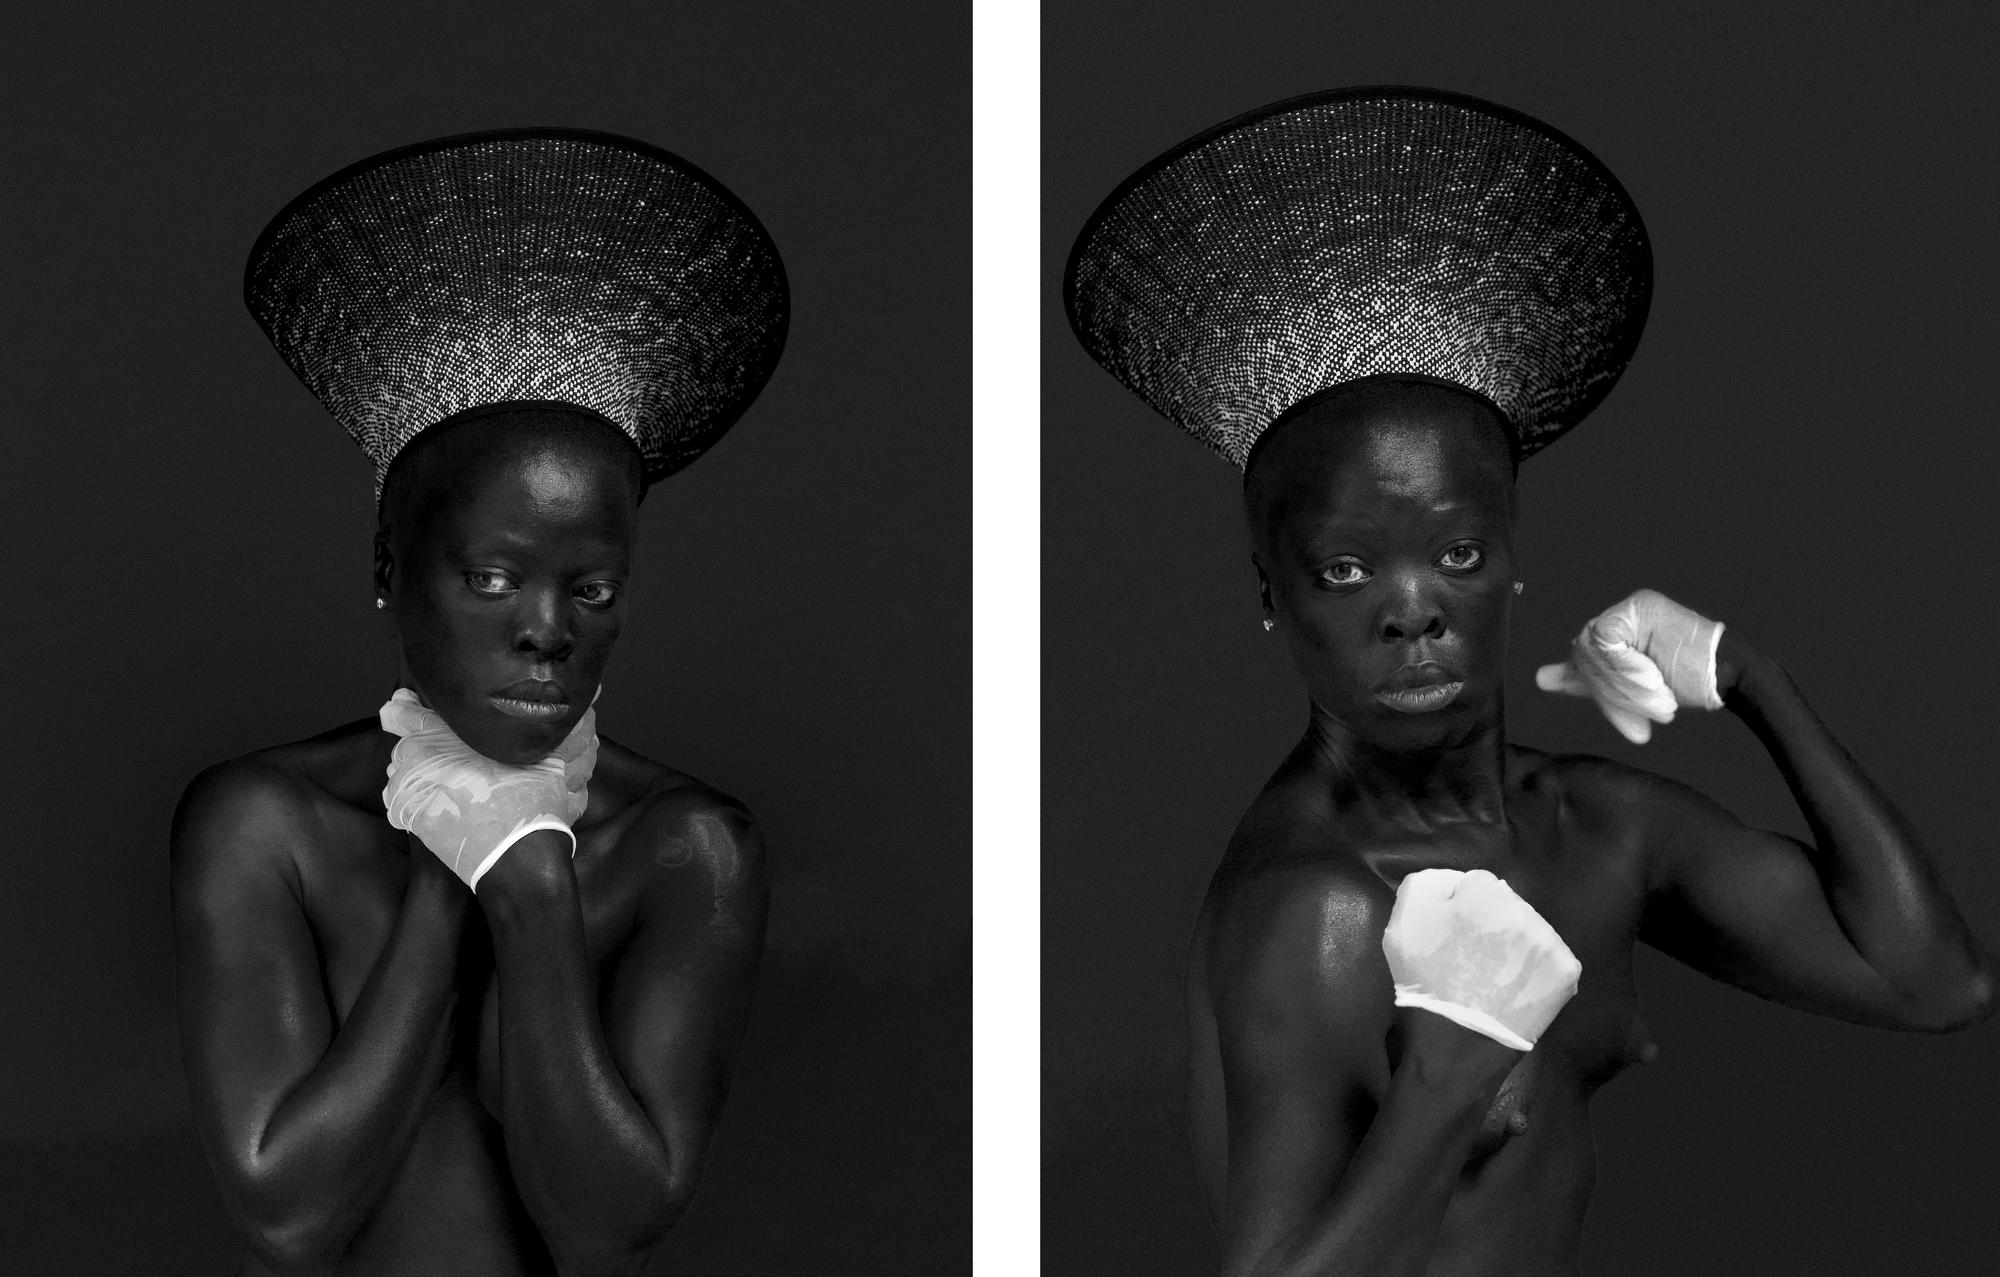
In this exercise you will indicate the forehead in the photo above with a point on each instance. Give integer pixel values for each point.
(1433, 452)
(550, 481)
(527, 492)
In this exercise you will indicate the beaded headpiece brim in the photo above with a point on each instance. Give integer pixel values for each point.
(1360, 233)
(524, 266)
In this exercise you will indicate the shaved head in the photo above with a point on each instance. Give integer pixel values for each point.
(1407, 430)
(446, 462)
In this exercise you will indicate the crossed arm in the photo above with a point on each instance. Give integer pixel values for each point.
(1337, 1162)
(609, 1117)
(304, 1126)
(610, 1102)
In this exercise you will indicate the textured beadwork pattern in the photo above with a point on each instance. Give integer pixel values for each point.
(542, 265)
(1360, 233)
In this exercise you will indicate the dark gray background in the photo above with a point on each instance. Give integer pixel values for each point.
(187, 542)
(1804, 448)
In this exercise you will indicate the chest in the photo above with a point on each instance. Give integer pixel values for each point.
(357, 899)
(1586, 883)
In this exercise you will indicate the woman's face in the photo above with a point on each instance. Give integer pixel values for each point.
(1383, 527)
(508, 586)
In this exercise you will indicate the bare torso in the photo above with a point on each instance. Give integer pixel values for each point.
(1519, 1204)
(451, 1205)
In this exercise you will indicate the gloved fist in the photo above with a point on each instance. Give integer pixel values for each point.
(1466, 947)
(469, 809)
(1640, 661)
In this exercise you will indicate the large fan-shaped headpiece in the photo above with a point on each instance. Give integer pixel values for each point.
(532, 266)
(1358, 233)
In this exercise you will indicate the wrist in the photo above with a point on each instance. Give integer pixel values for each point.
(1743, 670)
(1453, 1064)
(435, 893)
(536, 866)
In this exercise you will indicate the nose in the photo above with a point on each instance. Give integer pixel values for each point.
(1410, 613)
(541, 624)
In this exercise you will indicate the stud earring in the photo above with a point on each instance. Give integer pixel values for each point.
(1520, 586)
(1269, 625)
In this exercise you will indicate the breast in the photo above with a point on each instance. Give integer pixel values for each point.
(1599, 1032)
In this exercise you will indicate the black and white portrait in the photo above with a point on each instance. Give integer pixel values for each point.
(490, 488)
(1406, 586)
(1478, 617)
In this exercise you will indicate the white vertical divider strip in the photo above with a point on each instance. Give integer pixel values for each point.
(1006, 417)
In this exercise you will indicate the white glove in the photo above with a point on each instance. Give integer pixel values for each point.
(469, 809)
(1466, 947)
(1640, 661)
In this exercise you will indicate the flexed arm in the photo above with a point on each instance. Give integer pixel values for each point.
(1855, 924)
(304, 1124)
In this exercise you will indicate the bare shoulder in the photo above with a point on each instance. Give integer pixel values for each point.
(1293, 923)
(266, 806)
(242, 816)
(686, 828)
(1618, 805)
(1588, 782)
(694, 823)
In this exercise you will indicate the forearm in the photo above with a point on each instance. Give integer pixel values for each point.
(332, 1144)
(1384, 1215)
(592, 1170)
(1878, 880)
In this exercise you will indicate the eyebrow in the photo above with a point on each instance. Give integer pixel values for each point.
(1362, 522)
(507, 542)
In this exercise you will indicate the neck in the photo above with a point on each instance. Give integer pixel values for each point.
(1461, 781)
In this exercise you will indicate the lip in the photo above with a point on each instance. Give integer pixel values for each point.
(1415, 676)
(546, 690)
(1422, 698)
(533, 711)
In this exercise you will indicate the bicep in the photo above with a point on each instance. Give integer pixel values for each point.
(254, 1018)
(1747, 906)
(678, 1000)
(1303, 1032)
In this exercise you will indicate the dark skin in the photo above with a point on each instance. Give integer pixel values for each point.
(1339, 1134)
(392, 1073)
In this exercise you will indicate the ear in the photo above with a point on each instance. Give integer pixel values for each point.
(1263, 583)
(385, 563)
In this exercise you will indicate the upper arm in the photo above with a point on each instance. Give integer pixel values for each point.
(254, 1018)
(679, 995)
(1747, 906)
(1303, 1004)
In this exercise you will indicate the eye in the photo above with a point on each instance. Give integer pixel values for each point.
(1463, 558)
(490, 583)
(1344, 573)
(597, 593)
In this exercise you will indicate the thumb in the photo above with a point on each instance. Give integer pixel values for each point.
(1563, 678)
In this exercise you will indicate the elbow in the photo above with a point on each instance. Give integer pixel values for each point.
(1975, 1001)
(674, 1198)
(663, 1207)
(288, 1235)
(605, 1257)
(297, 1245)
(621, 1252)
(1967, 1001)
